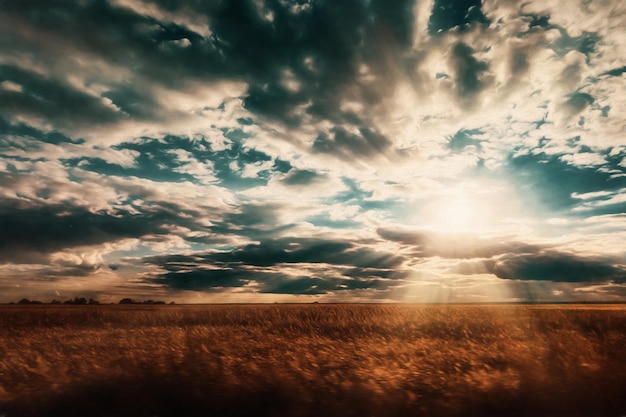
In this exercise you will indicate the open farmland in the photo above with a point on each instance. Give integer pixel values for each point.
(312, 360)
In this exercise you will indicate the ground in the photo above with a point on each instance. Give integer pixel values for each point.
(313, 360)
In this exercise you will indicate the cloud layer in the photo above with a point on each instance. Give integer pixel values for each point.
(313, 150)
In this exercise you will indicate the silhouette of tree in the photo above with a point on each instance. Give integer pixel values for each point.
(27, 301)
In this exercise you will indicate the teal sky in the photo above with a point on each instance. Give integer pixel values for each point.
(299, 151)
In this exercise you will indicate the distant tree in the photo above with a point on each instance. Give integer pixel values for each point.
(172, 303)
(78, 301)
(55, 302)
(27, 301)
(148, 302)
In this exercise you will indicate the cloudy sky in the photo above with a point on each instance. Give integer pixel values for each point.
(295, 150)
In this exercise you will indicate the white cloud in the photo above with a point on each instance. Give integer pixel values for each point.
(584, 159)
(11, 87)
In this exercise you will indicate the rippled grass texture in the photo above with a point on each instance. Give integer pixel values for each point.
(312, 360)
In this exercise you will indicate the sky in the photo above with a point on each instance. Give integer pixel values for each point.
(300, 151)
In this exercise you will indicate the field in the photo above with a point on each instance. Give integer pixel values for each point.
(312, 360)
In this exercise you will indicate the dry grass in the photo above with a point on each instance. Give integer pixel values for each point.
(312, 360)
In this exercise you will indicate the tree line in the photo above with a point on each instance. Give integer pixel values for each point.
(91, 301)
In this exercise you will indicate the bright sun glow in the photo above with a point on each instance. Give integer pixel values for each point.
(466, 209)
(456, 213)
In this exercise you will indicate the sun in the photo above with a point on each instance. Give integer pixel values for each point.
(457, 213)
(461, 210)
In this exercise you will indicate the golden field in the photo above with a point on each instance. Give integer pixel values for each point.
(313, 360)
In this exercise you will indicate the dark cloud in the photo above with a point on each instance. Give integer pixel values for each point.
(124, 37)
(204, 279)
(320, 44)
(133, 102)
(556, 266)
(59, 270)
(51, 99)
(265, 282)
(357, 267)
(24, 131)
(302, 177)
(578, 101)
(346, 145)
(299, 285)
(274, 252)
(254, 221)
(509, 260)
(469, 71)
(29, 232)
(519, 62)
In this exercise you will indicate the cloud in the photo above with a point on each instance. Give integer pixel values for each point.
(317, 148)
(511, 259)
(557, 266)
(426, 244)
(302, 177)
(344, 144)
(555, 179)
(51, 100)
(470, 78)
(22, 130)
(58, 227)
(318, 45)
(287, 266)
(316, 286)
